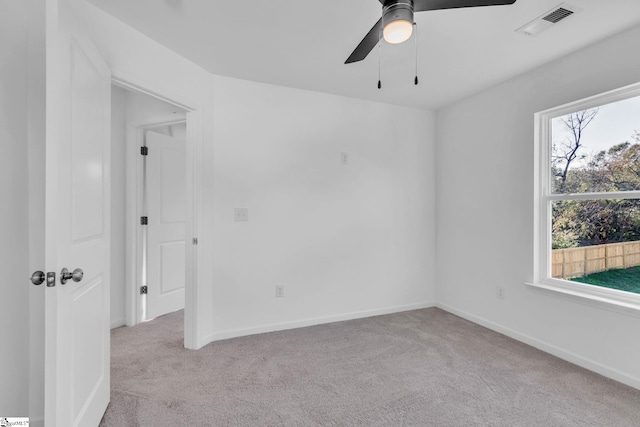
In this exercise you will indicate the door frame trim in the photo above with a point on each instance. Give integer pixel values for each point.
(194, 148)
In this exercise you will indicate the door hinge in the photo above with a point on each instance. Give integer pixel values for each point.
(143, 290)
(144, 220)
(144, 150)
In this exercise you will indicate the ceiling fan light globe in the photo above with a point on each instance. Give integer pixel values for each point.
(396, 32)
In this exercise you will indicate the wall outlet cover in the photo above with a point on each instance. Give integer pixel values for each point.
(241, 214)
(279, 291)
(344, 158)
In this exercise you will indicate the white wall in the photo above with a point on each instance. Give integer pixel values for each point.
(344, 240)
(485, 211)
(14, 210)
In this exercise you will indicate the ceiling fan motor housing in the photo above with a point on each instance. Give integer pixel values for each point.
(397, 10)
(396, 25)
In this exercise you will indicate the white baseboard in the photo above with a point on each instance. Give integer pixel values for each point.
(223, 335)
(117, 323)
(569, 356)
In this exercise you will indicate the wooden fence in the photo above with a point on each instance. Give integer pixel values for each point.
(577, 262)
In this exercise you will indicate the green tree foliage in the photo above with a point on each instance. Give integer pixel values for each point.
(596, 222)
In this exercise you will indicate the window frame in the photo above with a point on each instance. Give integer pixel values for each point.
(544, 197)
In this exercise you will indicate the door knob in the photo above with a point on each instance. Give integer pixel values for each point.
(76, 275)
(37, 278)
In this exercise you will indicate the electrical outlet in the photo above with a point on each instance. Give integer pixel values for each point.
(500, 292)
(344, 158)
(279, 291)
(241, 214)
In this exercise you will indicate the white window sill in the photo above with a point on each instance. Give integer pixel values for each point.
(596, 296)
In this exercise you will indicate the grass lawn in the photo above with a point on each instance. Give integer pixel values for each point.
(627, 279)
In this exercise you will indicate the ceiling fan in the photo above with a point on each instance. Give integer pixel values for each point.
(396, 24)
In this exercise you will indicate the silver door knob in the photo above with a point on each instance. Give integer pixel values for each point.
(37, 278)
(76, 275)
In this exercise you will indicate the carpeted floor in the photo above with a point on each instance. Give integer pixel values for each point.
(417, 368)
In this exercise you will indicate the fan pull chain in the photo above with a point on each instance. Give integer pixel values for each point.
(415, 26)
(379, 60)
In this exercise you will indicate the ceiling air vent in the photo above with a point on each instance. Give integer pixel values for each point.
(548, 20)
(557, 15)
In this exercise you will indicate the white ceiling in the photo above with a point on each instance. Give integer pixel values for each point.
(304, 43)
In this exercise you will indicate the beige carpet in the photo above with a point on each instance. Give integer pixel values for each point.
(418, 368)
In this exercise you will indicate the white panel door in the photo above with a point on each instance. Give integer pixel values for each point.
(77, 377)
(166, 202)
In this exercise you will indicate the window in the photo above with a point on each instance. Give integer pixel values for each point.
(588, 198)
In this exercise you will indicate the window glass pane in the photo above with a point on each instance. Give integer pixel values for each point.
(597, 242)
(598, 149)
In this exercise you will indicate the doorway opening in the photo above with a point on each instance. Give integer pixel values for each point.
(150, 250)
